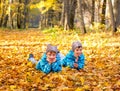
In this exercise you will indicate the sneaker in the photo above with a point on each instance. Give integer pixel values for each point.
(30, 56)
(32, 59)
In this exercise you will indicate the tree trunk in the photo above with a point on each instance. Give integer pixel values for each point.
(40, 22)
(9, 17)
(112, 15)
(66, 20)
(5, 21)
(117, 12)
(19, 21)
(103, 12)
(97, 11)
(93, 11)
(26, 14)
(73, 4)
(2, 13)
(81, 17)
(50, 18)
(63, 14)
(43, 23)
(69, 14)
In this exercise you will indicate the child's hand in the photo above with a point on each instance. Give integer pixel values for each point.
(76, 60)
(75, 65)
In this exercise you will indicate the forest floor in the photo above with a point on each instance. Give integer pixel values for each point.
(101, 71)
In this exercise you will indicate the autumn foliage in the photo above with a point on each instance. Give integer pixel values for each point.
(101, 71)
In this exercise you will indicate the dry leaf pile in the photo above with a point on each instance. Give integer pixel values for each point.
(101, 71)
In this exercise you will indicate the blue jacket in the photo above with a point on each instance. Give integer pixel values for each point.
(44, 66)
(69, 60)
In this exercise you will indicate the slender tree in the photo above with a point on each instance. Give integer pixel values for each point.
(66, 19)
(19, 20)
(81, 17)
(62, 14)
(10, 19)
(112, 16)
(93, 11)
(117, 12)
(26, 14)
(73, 4)
(3, 7)
(68, 14)
(103, 12)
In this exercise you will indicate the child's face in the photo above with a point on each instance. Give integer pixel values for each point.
(51, 57)
(78, 51)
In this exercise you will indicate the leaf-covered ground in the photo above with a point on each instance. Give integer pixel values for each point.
(101, 71)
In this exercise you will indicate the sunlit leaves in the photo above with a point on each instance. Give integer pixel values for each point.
(45, 5)
(101, 71)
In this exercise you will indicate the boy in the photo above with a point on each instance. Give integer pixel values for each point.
(75, 58)
(50, 61)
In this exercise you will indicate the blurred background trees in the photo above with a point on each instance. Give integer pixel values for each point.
(68, 14)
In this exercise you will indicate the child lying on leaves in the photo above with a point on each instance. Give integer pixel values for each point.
(50, 61)
(75, 58)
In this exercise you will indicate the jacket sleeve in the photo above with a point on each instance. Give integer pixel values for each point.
(61, 56)
(63, 62)
(44, 56)
(44, 66)
(56, 66)
(38, 65)
(70, 63)
(81, 62)
(67, 62)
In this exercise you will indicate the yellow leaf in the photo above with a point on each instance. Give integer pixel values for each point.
(79, 89)
(86, 87)
(28, 73)
(106, 84)
(118, 83)
(12, 87)
(29, 64)
(100, 65)
(82, 80)
(97, 89)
